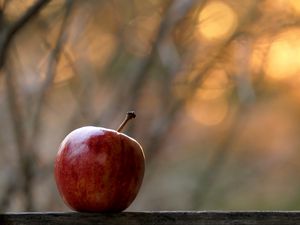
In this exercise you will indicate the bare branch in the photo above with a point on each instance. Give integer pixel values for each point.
(7, 34)
(51, 69)
(175, 11)
(25, 143)
(165, 123)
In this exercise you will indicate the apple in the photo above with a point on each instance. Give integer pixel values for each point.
(99, 169)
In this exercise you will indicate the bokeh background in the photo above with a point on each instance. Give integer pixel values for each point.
(214, 84)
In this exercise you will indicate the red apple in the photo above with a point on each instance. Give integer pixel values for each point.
(99, 169)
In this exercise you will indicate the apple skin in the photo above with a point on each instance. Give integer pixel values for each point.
(99, 170)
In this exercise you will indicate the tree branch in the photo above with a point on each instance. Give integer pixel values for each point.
(51, 68)
(8, 33)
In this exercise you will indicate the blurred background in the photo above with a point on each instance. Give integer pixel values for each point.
(214, 84)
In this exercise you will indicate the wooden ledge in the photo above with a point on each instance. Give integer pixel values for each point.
(154, 218)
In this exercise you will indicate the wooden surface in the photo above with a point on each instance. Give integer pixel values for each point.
(151, 218)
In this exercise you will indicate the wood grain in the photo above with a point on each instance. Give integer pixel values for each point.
(153, 218)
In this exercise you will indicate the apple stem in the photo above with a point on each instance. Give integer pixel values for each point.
(129, 115)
